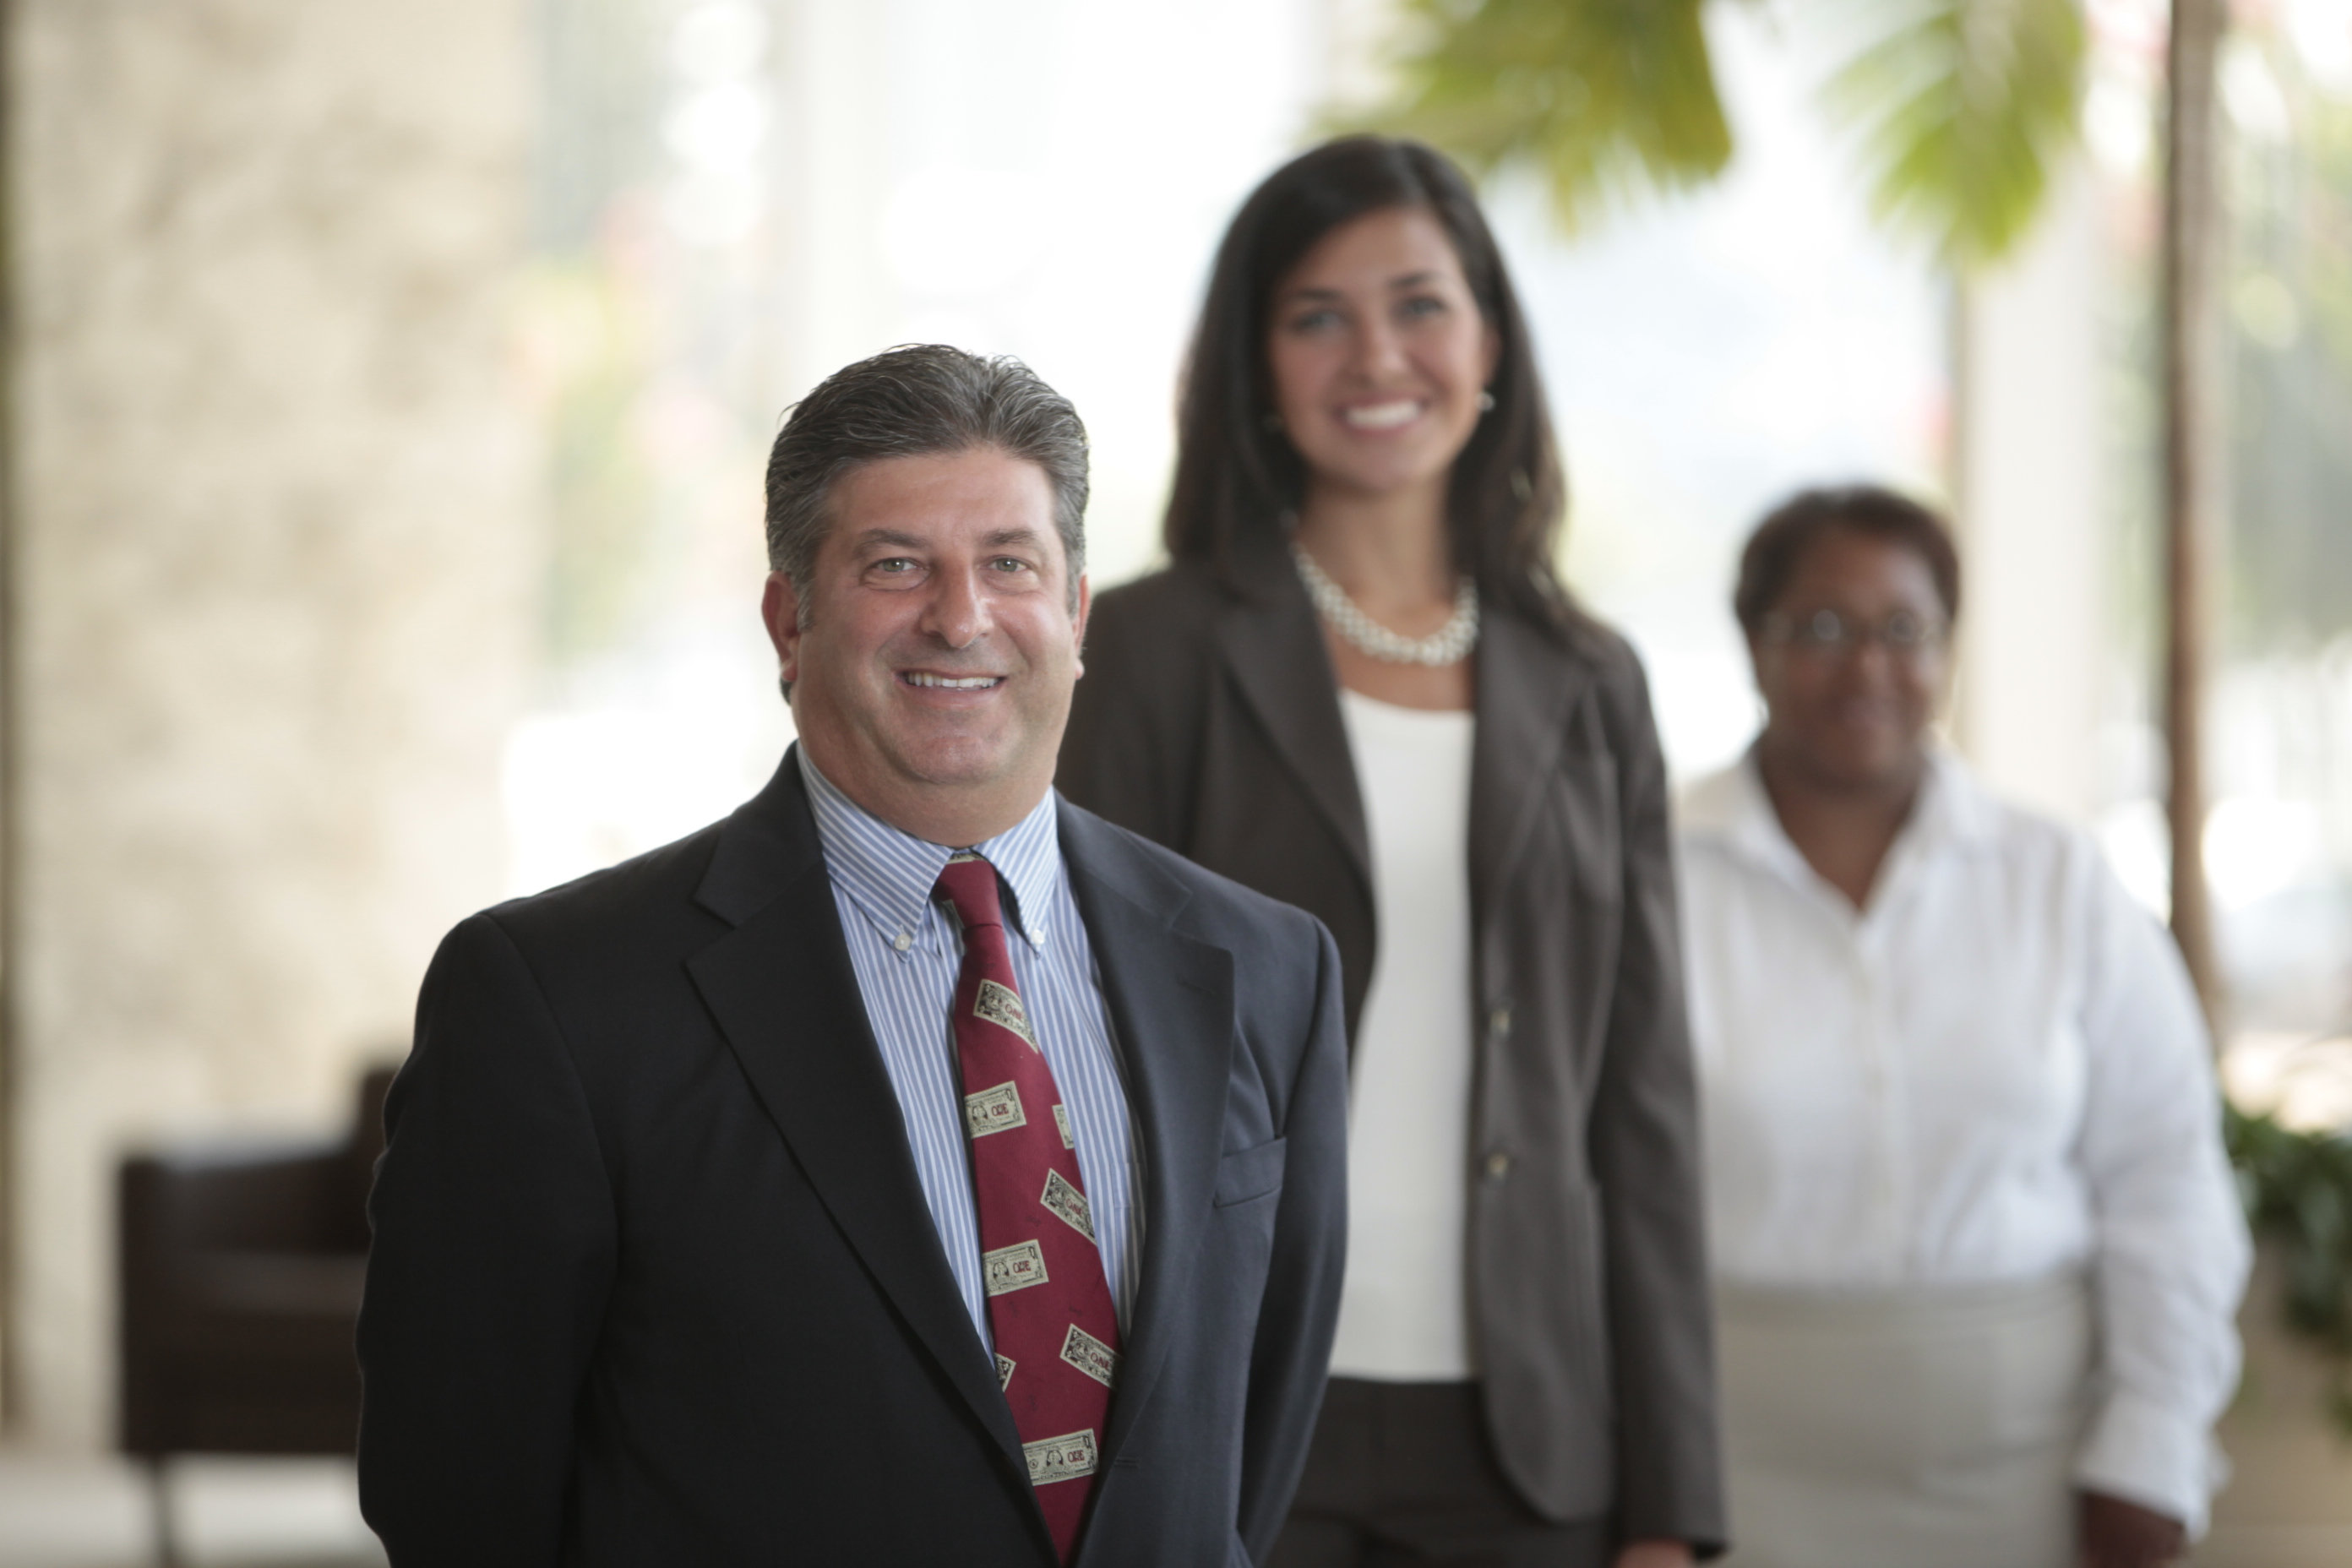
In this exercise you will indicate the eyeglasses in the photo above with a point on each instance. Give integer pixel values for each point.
(1825, 633)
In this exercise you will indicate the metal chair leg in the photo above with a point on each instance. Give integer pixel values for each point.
(159, 1494)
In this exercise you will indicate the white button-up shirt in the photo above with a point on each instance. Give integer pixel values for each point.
(1996, 1071)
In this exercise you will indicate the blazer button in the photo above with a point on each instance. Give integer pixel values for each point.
(1498, 1164)
(1501, 1023)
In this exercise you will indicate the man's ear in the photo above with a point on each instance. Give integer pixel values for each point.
(780, 608)
(1086, 602)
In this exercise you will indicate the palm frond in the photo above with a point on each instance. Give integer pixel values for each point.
(1605, 98)
(1963, 107)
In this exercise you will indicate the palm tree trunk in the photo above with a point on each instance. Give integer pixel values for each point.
(2191, 239)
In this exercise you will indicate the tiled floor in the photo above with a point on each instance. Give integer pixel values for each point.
(273, 1513)
(80, 1512)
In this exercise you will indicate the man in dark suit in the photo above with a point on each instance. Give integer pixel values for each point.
(911, 1168)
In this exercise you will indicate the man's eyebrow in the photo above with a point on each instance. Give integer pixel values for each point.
(1004, 538)
(892, 539)
(889, 537)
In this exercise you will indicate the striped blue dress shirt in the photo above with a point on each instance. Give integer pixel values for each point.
(908, 952)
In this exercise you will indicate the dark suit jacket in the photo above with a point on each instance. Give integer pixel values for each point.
(1209, 721)
(654, 1282)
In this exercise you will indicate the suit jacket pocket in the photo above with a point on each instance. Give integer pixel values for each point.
(1246, 1173)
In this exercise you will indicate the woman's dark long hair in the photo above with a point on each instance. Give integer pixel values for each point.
(1236, 476)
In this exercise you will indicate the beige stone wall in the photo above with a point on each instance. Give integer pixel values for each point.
(274, 532)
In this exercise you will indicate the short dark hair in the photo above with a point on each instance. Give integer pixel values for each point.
(909, 401)
(1777, 546)
(1236, 476)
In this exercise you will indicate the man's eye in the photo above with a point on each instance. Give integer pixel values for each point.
(1009, 563)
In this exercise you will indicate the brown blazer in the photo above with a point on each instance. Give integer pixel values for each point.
(1209, 721)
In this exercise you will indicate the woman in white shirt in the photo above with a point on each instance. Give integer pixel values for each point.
(1976, 1243)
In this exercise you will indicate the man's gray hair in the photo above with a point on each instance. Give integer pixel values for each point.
(910, 402)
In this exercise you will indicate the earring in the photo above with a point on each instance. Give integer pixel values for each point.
(1485, 401)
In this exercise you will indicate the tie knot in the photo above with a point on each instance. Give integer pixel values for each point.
(968, 883)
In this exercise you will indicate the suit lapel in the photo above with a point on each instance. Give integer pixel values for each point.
(1272, 644)
(1171, 998)
(782, 990)
(1528, 687)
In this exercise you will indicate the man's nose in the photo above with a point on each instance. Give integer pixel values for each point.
(956, 613)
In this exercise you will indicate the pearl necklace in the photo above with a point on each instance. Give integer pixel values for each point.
(1450, 644)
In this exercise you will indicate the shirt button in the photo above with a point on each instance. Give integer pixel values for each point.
(905, 939)
(1498, 1164)
(1501, 1023)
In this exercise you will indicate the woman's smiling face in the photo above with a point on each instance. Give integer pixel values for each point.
(1854, 713)
(1379, 354)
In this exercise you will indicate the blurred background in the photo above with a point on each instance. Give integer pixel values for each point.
(387, 388)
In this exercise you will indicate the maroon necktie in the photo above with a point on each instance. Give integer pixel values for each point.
(1048, 1301)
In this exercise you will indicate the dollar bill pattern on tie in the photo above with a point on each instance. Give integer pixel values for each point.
(1049, 1303)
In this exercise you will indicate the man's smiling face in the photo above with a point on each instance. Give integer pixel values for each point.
(932, 680)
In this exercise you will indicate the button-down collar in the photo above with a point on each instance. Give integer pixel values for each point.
(1733, 808)
(890, 874)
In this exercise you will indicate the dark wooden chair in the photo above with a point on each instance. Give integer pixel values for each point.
(241, 1271)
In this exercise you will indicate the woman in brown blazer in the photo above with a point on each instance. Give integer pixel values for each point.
(1362, 688)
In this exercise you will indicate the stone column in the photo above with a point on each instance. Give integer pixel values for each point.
(274, 556)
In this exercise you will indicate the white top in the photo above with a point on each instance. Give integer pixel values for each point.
(1998, 1070)
(1402, 1310)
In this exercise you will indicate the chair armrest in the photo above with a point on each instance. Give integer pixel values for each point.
(196, 1199)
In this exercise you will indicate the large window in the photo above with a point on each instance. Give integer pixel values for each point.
(2278, 845)
(738, 196)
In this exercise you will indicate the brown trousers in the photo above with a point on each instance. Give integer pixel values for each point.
(1402, 1475)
